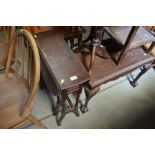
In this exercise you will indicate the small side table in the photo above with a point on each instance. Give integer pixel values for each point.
(62, 72)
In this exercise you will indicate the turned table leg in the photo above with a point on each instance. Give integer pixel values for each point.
(61, 108)
(89, 94)
(79, 41)
(76, 111)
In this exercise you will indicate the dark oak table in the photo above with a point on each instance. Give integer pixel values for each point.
(61, 71)
(105, 70)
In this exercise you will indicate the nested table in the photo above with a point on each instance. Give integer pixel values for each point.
(62, 72)
(105, 70)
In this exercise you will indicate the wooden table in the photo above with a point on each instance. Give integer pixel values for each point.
(69, 33)
(61, 71)
(105, 70)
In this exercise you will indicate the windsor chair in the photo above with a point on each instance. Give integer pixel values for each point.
(17, 91)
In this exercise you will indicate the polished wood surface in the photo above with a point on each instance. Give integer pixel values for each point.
(17, 92)
(106, 70)
(60, 60)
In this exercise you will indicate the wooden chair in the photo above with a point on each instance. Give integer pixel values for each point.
(8, 32)
(17, 91)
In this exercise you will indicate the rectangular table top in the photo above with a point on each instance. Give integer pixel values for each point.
(105, 70)
(62, 64)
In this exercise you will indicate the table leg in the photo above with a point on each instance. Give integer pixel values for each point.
(144, 69)
(92, 60)
(76, 111)
(71, 43)
(61, 107)
(79, 41)
(89, 94)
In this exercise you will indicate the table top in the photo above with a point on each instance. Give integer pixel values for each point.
(105, 70)
(60, 61)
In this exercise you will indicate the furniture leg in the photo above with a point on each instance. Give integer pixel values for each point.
(36, 122)
(79, 41)
(89, 94)
(61, 103)
(42, 84)
(76, 111)
(92, 59)
(145, 68)
(71, 43)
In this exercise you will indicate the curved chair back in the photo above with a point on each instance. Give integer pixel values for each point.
(29, 70)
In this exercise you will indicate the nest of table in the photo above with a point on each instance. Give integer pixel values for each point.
(105, 70)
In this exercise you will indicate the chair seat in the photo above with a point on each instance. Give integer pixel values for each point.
(13, 95)
(3, 53)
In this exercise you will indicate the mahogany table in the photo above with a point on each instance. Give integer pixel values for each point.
(61, 71)
(105, 70)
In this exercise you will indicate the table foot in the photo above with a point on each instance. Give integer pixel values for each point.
(133, 84)
(83, 108)
(89, 94)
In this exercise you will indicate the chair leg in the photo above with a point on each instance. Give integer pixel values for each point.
(36, 122)
(19, 124)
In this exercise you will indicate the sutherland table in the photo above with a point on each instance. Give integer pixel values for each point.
(62, 72)
(105, 70)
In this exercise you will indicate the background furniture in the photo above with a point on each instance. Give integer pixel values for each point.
(106, 70)
(93, 45)
(61, 72)
(17, 91)
(8, 32)
(133, 56)
(127, 38)
(69, 33)
(152, 28)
